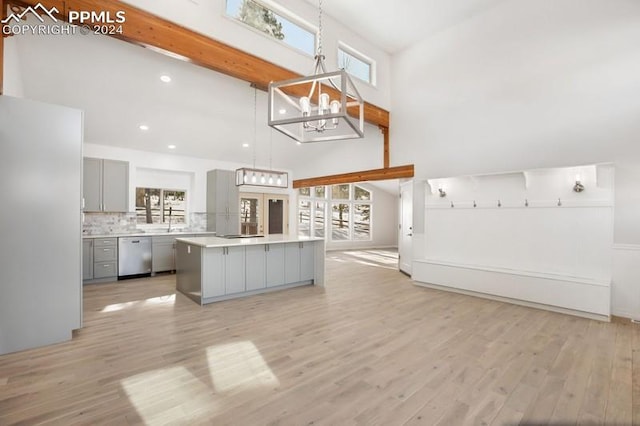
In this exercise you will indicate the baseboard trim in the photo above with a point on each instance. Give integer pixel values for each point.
(542, 306)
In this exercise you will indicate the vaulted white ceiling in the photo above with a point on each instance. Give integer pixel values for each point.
(395, 25)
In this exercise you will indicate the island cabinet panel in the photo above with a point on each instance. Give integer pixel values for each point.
(291, 263)
(275, 265)
(213, 277)
(256, 267)
(307, 261)
(234, 270)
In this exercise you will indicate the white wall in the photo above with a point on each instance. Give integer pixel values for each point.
(12, 84)
(208, 17)
(529, 85)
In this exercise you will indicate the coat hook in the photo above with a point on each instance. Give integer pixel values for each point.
(474, 203)
(452, 204)
(559, 202)
(499, 203)
(526, 202)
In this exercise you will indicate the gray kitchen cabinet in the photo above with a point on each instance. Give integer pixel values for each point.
(225, 271)
(105, 185)
(164, 252)
(299, 262)
(291, 263)
(256, 267)
(274, 265)
(87, 259)
(223, 202)
(92, 184)
(102, 256)
(234, 270)
(213, 274)
(307, 261)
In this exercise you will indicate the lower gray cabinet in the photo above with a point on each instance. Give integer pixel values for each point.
(291, 263)
(274, 265)
(256, 267)
(299, 262)
(307, 261)
(99, 259)
(234, 270)
(87, 259)
(164, 252)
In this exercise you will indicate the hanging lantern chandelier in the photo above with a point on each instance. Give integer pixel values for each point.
(325, 106)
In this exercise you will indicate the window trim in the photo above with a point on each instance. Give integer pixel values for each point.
(285, 13)
(373, 70)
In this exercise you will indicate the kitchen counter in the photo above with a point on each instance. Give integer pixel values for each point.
(147, 234)
(211, 241)
(212, 269)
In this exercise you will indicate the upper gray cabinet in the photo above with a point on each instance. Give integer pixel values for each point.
(105, 185)
(223, 202)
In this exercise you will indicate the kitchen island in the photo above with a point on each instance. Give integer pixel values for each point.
(211, 269)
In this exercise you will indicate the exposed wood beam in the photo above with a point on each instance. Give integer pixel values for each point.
(145, 29)
(385, 151)
(367, 175)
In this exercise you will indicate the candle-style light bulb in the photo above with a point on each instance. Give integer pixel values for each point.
(335, 109)
(253, 178)
(305, 106)
(262, 179)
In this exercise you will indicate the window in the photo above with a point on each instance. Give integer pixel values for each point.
(157, 206)
(304, 218)
(356, 64)
(318, 219)
(340, 221)
(349, 211)
(278, 25)
(362, 221)
(340, 192)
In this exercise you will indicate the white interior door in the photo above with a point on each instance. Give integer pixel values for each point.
(405, 230)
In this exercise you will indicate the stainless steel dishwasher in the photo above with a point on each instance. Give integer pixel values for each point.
(134, 256)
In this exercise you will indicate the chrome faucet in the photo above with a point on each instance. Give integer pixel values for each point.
(170, 211)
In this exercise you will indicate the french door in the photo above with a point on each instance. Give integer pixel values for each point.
(264, 214)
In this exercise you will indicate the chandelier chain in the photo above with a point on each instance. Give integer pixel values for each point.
(255, 123)
(319, 28)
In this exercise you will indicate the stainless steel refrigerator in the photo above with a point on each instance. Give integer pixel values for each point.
(40, 223)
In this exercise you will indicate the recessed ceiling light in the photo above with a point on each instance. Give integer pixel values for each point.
(298, 143)
(282, 111)
(165, 78)
(171, 147)
(245, 145)
(144, 127)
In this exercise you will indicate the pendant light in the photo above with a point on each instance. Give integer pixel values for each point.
(325, 106)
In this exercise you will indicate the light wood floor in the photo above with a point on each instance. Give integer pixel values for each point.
(369, 349)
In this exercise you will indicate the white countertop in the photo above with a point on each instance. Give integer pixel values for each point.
(148, 234)
(210, 242)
